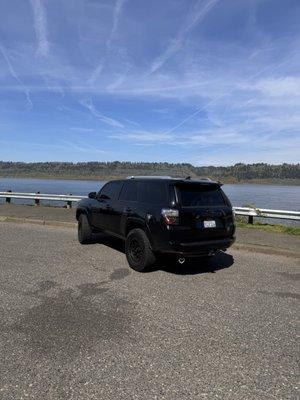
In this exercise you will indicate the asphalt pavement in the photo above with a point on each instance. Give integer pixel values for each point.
(78, 323)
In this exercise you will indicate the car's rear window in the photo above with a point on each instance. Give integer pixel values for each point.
(200, 195)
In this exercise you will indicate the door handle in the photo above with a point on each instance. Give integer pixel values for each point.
(128, 210)
(108, 206)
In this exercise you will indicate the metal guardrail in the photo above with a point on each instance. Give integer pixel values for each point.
(266, 213)
(37, 197)
(69, 199)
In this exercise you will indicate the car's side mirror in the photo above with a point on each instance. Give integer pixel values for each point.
(103, 197)
(93, 195)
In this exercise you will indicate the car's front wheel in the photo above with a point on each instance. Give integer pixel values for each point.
(85, 234)
(138, 250)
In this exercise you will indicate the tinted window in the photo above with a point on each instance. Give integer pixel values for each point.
(111, 190)
(152, 192)
(129, 191)
(200, 195)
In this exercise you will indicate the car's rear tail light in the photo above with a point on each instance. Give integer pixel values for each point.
(170, 216)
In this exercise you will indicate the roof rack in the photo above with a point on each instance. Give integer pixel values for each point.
(149, 177)
(189, 178)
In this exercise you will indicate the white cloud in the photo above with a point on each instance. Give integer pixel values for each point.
(275, 153)
(83, 147)
(278, 87)
(95, 74)
(197, 13)
(103, 118)
(117, 12)
(13, 73)
(116, 17)
(40, 26)
(81, 129)
(213, 136)
(143, 137)
(276, 123)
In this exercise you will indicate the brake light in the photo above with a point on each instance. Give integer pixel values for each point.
(170, 216)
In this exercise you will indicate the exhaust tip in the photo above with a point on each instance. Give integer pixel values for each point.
(181, 260)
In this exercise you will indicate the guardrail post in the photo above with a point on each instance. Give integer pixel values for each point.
(69, 203)
(8, 199)
(37, 201)
(250, 219)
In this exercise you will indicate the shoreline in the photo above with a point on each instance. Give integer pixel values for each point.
(279, 182)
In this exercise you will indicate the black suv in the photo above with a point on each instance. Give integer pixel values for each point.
(159, 215)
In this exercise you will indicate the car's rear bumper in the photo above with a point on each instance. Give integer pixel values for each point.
(194, 249)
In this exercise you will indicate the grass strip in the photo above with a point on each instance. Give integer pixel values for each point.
(290, 230)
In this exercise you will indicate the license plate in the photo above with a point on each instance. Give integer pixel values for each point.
(209, 224)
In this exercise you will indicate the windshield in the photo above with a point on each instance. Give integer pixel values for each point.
(200, 195)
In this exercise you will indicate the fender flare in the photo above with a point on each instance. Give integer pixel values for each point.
(83, 210)
(135, 223)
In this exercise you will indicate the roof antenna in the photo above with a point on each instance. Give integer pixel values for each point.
(188, 178)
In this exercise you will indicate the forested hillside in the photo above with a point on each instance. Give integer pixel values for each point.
(104, 170)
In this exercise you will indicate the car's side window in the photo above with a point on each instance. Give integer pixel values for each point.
(129, 191)
(152, 192)
(111, 190)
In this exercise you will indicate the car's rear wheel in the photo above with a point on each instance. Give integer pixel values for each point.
(85, 234)
(138, 250)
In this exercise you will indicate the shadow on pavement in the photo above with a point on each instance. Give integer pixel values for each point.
(110, 241)
(197, 265)
(192, 266)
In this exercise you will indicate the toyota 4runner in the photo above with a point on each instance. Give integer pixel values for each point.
(159, 215)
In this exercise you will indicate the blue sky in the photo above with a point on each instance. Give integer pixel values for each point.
(210, 82)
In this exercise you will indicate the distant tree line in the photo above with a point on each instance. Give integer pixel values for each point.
(103, 170)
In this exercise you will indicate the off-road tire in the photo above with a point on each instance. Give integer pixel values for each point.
(138, 250)
(85, 234)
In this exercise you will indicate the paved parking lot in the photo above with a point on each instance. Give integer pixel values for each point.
(77, 323)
